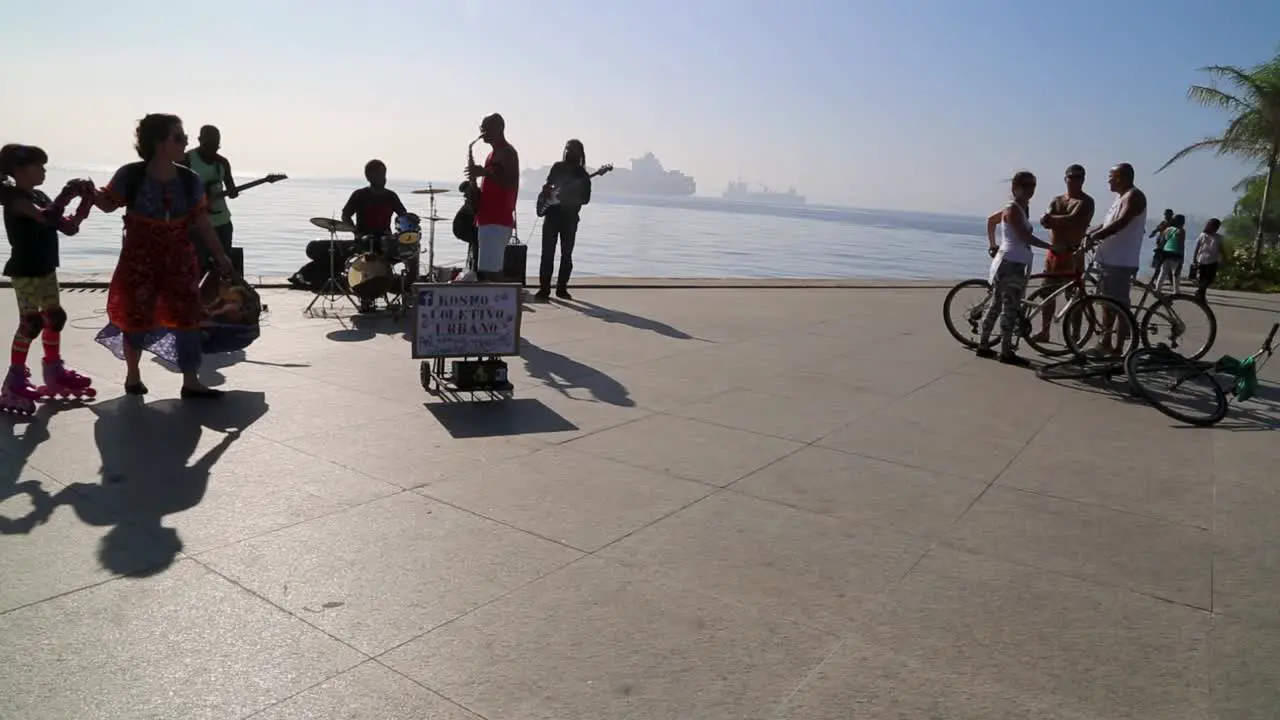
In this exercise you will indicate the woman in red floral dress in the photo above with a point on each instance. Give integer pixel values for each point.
(154, 297)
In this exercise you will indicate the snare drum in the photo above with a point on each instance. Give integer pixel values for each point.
(408, 236)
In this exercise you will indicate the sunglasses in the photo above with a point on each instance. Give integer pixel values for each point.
(1075, 177)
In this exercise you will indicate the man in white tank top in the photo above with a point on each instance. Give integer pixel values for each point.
(1119, 242)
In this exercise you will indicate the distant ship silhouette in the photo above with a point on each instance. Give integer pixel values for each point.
(740, 192)
(646, 176)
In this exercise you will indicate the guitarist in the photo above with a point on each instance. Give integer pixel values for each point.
(215, 172)
(571, 182)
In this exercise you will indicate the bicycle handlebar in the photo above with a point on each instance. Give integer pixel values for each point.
(1266, 344)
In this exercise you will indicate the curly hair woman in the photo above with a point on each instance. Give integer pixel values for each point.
(154, 295)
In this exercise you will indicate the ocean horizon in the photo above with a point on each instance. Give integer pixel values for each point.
(620, 235)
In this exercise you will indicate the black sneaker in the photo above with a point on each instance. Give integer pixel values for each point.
(564, 295)
(984, 352)
(542, 296)
(1015, 360)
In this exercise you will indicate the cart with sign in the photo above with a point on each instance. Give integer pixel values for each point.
(461, 332)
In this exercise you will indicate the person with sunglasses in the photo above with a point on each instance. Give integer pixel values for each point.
(32, 222)
(1009, 271)
(154, 294)
(1067, 220)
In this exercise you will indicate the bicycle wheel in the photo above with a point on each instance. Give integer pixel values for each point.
(1085, 320)
(1053, 344)
(966, 327)
(1181, 322)
(1182, 388)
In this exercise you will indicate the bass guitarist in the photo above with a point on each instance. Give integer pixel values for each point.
(571, 184)
(215, 172)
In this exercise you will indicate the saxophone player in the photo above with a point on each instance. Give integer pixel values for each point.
(499, 181)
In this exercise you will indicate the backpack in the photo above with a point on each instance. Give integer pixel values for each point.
(136, 172)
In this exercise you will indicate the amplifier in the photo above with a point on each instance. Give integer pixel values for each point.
(480, 375)
(515, 264)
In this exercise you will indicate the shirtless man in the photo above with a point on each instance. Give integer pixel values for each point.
(1067, 221)
(1119, 241)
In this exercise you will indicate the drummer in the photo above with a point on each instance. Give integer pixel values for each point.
(375, 205)
(373, 208)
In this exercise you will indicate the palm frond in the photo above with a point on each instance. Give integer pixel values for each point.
(1211, 97)
(1253, 82)
(1247, 182)
(1205, 144)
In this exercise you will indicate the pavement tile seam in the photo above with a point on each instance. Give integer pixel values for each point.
(675, 412)
(568, 444)
(446, 698)
(781, 707)
(484, 604)
(951, 547)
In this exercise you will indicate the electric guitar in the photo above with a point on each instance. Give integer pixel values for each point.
(273, 178)
(549, 197)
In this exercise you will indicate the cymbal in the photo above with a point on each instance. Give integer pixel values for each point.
(331, 225)
(429, 191)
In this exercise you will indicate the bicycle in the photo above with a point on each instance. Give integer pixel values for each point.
(1079, 318)
(1162, 314)
(1140, 367)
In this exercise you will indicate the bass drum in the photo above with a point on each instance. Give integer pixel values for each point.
(369, 276)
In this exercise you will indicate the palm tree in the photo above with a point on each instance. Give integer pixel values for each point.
(1254, 131)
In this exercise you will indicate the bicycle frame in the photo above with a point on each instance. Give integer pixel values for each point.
(1076, 282)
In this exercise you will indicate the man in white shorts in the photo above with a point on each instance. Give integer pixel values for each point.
(1119, 240)
(499, 180)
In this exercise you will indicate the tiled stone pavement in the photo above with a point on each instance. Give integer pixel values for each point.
(703, 504)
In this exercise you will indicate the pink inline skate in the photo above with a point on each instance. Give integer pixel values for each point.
(17, 396)
(63, 383)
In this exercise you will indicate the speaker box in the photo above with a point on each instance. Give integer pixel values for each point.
(515, 264)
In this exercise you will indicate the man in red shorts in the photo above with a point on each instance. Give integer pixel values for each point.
(1067, 221)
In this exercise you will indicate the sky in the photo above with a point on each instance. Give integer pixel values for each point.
(922, 105)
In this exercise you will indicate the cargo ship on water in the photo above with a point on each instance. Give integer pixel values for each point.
(646, 176)
(740, 192)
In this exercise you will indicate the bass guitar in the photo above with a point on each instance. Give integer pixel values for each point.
(270, 179)
(549, 197)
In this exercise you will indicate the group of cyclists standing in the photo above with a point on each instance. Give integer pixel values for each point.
(1117, 242)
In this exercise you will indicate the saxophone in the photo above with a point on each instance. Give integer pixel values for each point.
(473, 190)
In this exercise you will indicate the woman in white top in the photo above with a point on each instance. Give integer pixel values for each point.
(1009, 270)
(1207, 256)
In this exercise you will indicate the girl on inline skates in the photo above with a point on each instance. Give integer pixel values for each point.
(32, 222)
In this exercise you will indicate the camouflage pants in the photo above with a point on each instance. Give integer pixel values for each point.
(1006, 303)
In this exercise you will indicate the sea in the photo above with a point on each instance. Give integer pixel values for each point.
(620, 236)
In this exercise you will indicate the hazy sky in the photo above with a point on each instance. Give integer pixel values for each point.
(903, 104)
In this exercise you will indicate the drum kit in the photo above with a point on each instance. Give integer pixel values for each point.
(363, 267)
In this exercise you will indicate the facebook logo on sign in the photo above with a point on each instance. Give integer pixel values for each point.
(426, 298)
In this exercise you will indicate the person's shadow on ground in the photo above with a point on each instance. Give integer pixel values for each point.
(212, 365)
(19, 437)
(611, 315)
(145, 474)
(564, 373)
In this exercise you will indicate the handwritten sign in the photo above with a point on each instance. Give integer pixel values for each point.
(466, 320)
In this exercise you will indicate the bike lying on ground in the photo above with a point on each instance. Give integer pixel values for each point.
(1186, 388)
(1078, 321)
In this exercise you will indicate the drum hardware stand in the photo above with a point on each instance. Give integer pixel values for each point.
(431, 233)
(331, 288)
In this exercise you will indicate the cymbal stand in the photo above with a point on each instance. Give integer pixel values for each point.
(431, 234)
(332, 289)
